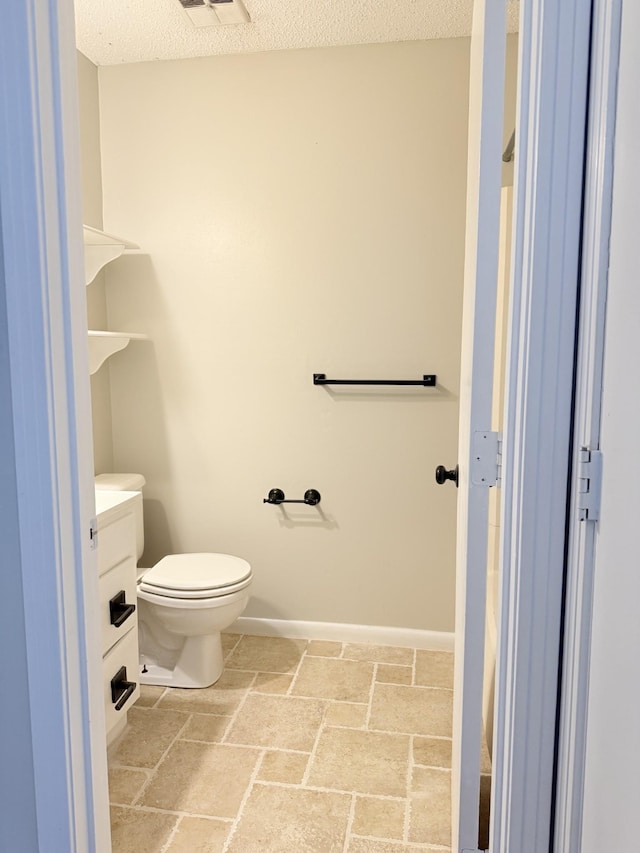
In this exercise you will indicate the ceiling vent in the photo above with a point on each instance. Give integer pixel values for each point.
(214, 13)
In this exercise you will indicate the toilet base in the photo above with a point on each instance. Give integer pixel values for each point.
(199, 664)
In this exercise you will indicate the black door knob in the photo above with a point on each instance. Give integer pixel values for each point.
(442, 475)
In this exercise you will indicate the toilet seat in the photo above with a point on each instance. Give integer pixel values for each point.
(196, 576)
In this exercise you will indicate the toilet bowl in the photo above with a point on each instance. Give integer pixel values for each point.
(184, 602)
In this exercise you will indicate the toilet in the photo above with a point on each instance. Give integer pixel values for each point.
(184, 602)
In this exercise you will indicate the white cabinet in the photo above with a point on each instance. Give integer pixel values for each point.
(118, 615)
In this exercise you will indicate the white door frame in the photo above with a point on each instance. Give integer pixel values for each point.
(48, 411)
(481, 271)
(589, 371)
(611, 788)
(41, 238)
(549, 162)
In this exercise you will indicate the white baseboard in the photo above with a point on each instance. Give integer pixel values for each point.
(343, 632)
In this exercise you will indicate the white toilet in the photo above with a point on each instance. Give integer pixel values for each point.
(184, 602)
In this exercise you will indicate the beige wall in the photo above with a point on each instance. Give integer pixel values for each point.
(90, 164)
(301, 211)
(92, 215)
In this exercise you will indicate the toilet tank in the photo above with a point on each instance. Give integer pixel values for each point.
(126, 483)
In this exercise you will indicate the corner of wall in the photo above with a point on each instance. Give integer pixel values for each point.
(91, 168)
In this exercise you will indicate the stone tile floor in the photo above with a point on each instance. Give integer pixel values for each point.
(301, 747)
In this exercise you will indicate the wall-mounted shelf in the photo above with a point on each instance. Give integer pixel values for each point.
(100, 248)
(104, 344)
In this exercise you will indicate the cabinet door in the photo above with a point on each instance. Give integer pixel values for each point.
(116, 542)
(121, 689)
(118, 613)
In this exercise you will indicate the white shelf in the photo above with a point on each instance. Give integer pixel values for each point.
(104, 344)
(100, 248)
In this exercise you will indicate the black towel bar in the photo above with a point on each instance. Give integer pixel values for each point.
(427, 381)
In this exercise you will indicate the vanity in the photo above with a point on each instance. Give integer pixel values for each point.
(116, 532)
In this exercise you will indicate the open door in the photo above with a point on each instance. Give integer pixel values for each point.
(478, 445)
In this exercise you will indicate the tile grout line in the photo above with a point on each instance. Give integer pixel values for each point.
(312, 754)
(239, 706)
(409, 802)
(160, 697)
(234, 647)
(147, 774)
(172, 835)
(319, 789)
(347, 832)
(296, 672)
(141, 792)
(305, 776)
(146, 770)
(243, 802)
(410, 845)
(251, 747)
(367, 720)
(154, 704)
(177, 813)
(267, 748)
(180, 817)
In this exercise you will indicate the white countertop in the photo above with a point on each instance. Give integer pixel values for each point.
(108, 503)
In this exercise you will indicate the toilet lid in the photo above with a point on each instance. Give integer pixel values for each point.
(197, 575)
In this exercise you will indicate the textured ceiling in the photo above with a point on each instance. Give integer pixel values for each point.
(110, 32)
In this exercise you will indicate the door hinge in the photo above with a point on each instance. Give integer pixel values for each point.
(93, 533)
(486, 459)
(589, 483)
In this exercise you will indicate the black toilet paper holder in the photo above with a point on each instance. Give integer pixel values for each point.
(276, 496)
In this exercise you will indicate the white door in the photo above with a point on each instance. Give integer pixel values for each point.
(477, 455)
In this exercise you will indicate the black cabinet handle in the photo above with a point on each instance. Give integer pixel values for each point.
(121, 689)
(119, 610)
